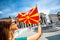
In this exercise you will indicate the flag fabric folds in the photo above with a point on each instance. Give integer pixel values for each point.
(30, 17)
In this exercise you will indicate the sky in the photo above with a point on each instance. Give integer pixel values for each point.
(13, 7)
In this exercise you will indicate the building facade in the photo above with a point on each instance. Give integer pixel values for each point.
(43, 18)
(53, 18)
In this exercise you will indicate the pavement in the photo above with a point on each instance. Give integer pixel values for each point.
(26, 32)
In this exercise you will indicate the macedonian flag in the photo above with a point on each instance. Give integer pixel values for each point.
(30, 17)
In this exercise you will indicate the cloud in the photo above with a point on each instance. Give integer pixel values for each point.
(44, 11)
(1, 12)
(56, 7)
(24, 9)
(13, 14)
(46, 6)
(6, 10)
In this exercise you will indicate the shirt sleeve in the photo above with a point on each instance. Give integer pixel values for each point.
(21, 38)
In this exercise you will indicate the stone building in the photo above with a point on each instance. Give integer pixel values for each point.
(53, 18)
(23, 25)
(43, 18)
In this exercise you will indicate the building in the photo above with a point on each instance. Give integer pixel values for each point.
(23, 25)
(43, 18)
(1, 19)
(53, 18)
(58, 15)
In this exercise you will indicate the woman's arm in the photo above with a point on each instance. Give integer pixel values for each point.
(37, 35)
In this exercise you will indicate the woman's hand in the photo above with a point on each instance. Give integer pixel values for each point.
(37, 35)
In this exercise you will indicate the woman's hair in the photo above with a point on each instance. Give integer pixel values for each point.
(4, 28)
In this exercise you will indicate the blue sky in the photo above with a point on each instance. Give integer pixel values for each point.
(12, 7)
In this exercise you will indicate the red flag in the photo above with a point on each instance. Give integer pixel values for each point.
(30, 17)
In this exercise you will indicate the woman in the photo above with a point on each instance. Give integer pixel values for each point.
(7, 28)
